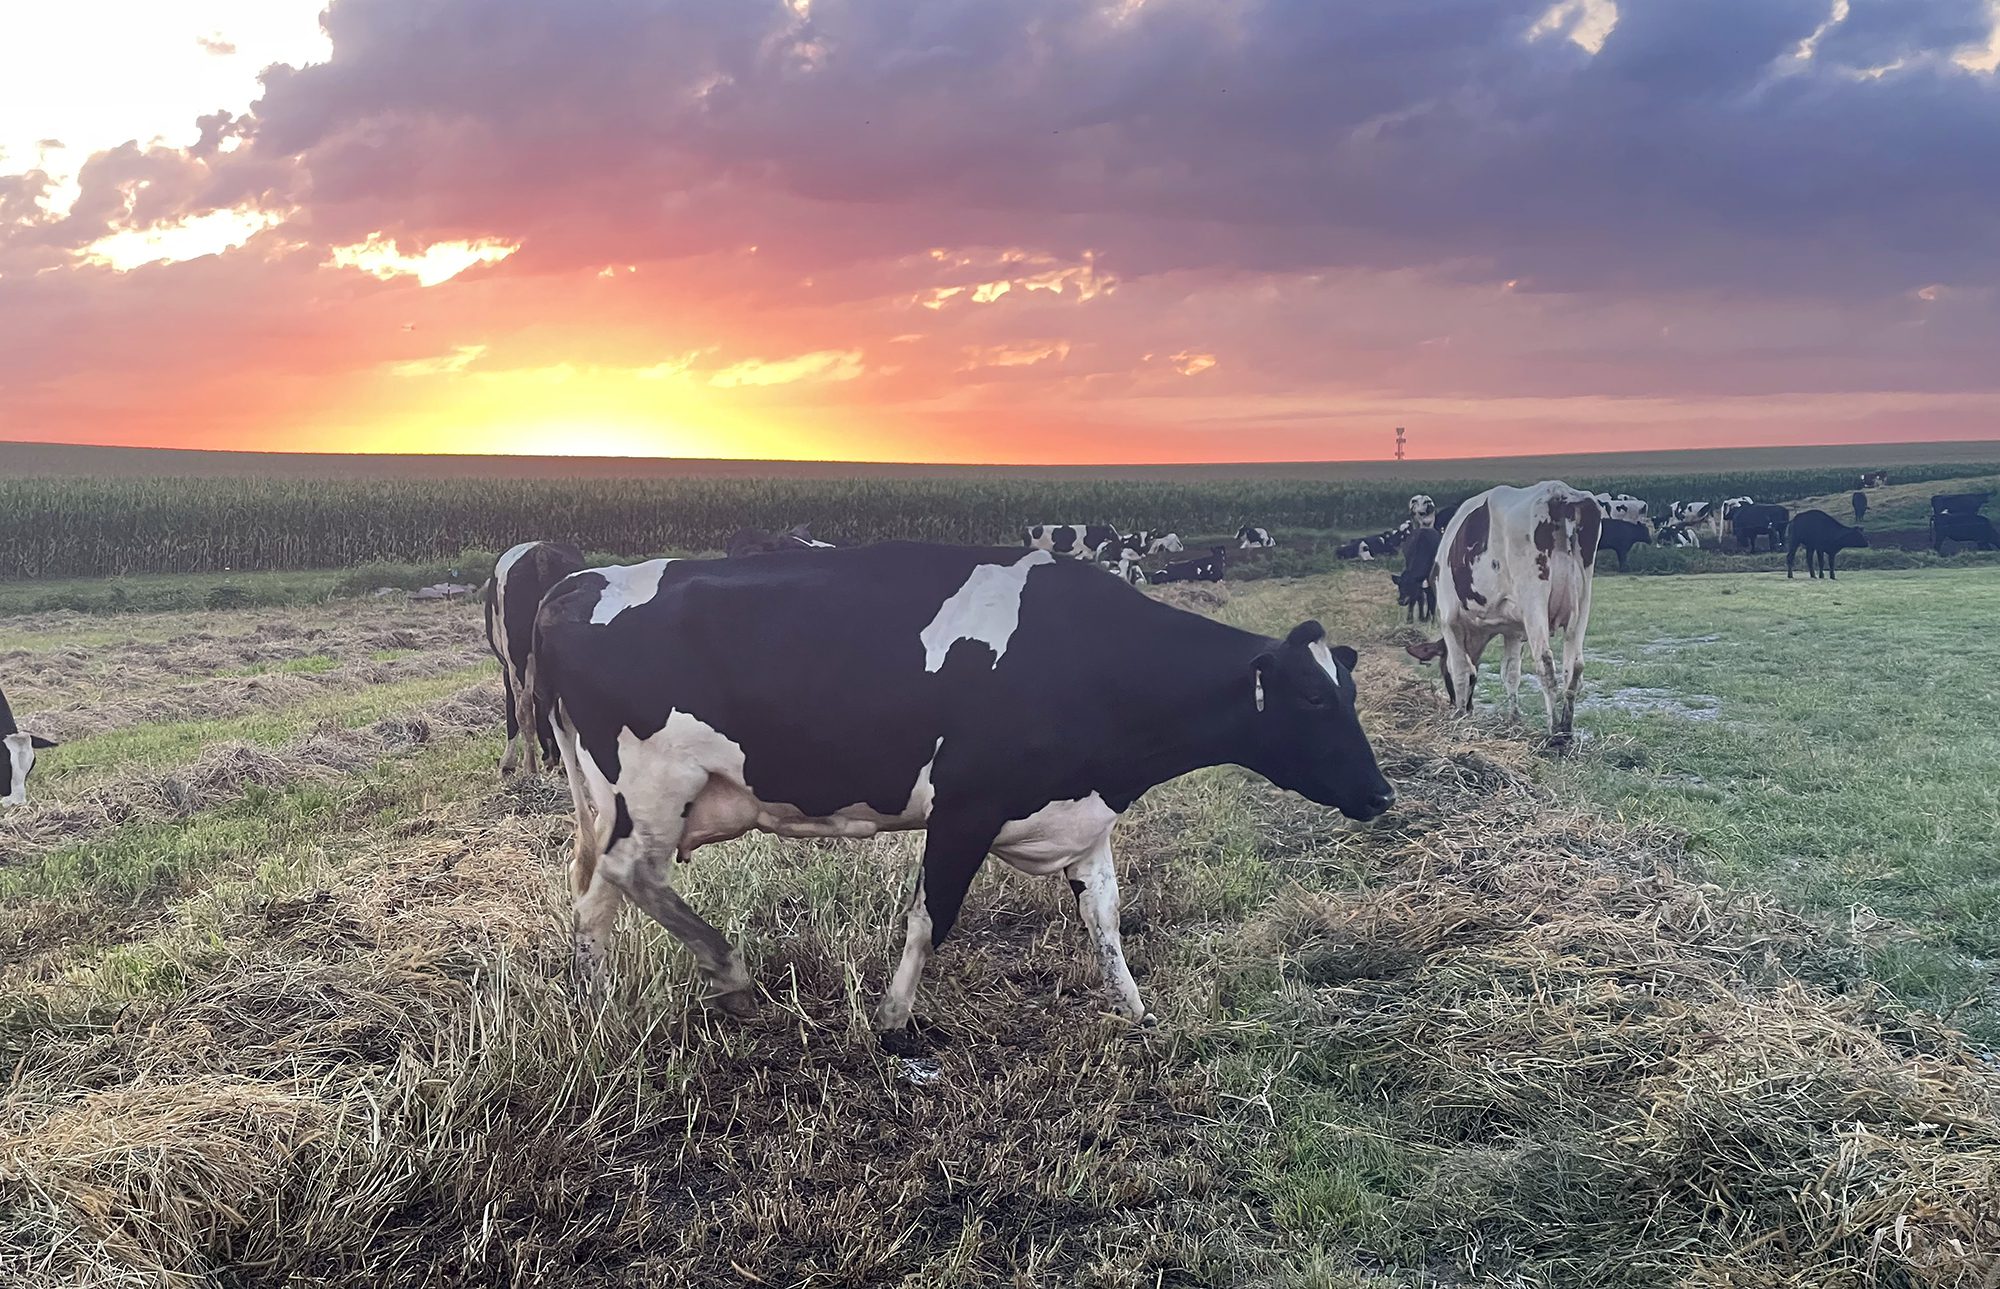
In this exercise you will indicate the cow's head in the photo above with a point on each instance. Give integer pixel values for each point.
(1851, 538)
(21, 749)
(1307, 735)
(1410, 585)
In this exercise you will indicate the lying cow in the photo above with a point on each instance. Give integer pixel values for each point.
(906, 686)
(1686, 514)
(1249, 538)
(1623, 506)
(1209, 568)
(1416, 585)
(1076, 541)
(755, 541)
(1724, 511)
(1619, 536)
(21, 749)
(1423, 511)
(1977, 529)
(1367, 548)
(1748, 523)
(1959, 503)
(1875, 479)
(523, 575)
(1823, 537)
(1520, 561)
(1676, 535)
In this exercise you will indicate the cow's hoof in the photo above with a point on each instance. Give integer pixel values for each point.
(902, 1042)
(739, 1003)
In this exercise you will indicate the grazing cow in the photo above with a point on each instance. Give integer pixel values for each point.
(755, 541)
(21, 749)
(1248, 537)
(1077, 541)
(1520, 565)
(1962, 528)
(1423, 511)
(1728, 507)
(1619, 536)
(1823, 536)
(1860, 503)
(1750, 522)
(520, 580)
(1623, 506)
(1416, 585)
(1210, 568)
(1959, 503)
(905, 686)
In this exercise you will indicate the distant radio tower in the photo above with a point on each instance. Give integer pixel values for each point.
(1399, 443)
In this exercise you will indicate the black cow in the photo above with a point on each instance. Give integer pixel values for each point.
(1209, 568)
(1619, 536)
(1416, 585)
(522, 576)
(21, 749)
(1860, 503)
(908, 686)
(1823, 536)
(755, 541)
(1758, 519)
(1077, 541)
(1959, 503)
(1963, 528)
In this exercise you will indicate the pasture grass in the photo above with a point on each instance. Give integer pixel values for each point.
(1897, 504)
(1827, 742)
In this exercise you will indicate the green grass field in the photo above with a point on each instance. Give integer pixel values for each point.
(283, 980)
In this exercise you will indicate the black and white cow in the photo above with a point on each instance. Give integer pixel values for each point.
(1622, 506)
(755, 541)
(1209, 568)
(1423, 511)
(1686, 514)
(1249, 538)
(1823, 537)
(21, 749)
(1520, 562)
(1163, 544)
(907, 686)
(1677, 535)
(1724, 510)
(1875, 479)
(1749, 522)
(1959, 503)
(1416, 585)
(520, 579)
(1977, 529)
(1076, 541)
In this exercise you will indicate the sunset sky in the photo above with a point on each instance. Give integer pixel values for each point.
(999, 230)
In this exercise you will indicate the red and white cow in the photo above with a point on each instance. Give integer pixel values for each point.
(1516, 563)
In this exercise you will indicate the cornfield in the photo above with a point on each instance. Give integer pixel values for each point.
(87, 527)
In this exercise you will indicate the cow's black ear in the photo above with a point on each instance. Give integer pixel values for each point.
(1427, 651)
(1345, 656)
(1305, 633)
(36, 740)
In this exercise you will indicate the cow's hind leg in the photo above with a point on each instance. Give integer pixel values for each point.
(1094, 879)
(510, 760)
(1510, 674)
(1535, 621)
(953, 852)
(594, 902)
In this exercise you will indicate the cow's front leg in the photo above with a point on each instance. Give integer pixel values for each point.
(953, 852)
(1094, 879)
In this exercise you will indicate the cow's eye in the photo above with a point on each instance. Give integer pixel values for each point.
(1315, 699)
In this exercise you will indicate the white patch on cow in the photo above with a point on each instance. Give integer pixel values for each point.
(507, 562)
(1324, 657)
(987, 608)
(1055, 836)
(21, 759)
(627, 586)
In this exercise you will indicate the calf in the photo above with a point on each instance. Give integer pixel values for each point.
(520, 579)
(1004, 702)
(1676, 535)
(1824, 537)
(1210, 568)
(755, 541)
(21, 749)
(1077, 541)
(1520, 564)
(1249, 538)
(1619, 536)
(1959, 503)
(1962, 528)
(1416, 585)
(1423, 511)
(1623, 506)
(1724, 510)
(1752, 521)
(1860, 503)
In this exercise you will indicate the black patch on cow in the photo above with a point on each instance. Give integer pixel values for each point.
(621, 820)
(1077, 888)
(1467, 545)
(1618, 536)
